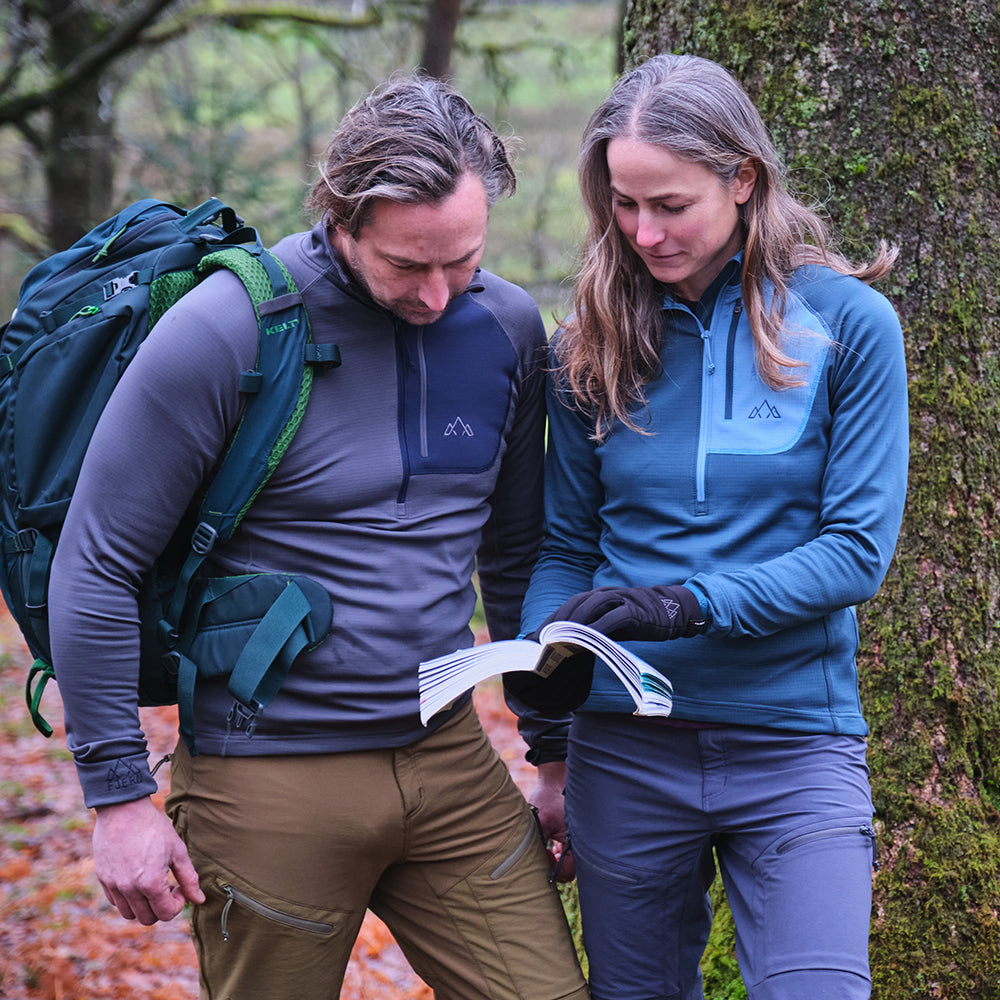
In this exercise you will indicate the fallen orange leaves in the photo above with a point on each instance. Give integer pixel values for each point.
(59, 938)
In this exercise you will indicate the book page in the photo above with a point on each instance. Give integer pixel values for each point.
(445, 678)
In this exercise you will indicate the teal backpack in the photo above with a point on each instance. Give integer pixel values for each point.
(80, 317)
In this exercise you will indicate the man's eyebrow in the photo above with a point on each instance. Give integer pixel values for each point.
(393, 259)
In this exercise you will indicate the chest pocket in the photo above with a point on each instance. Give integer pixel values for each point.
(457, 390)
(752, 418)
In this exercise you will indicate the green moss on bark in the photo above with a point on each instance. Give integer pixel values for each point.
(888, 115)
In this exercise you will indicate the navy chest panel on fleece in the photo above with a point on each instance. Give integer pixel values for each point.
(456, 389)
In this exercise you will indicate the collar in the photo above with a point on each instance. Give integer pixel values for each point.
(730, 275)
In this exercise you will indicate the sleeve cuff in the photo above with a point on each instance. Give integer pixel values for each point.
(109, 782)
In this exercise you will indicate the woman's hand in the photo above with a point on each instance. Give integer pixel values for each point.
(651, 614)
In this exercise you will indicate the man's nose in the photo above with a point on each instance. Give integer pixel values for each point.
(434, 291)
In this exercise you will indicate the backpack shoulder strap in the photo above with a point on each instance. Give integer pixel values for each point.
(278, 387)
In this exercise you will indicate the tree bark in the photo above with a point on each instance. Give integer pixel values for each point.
(888, 114)
(439, 37)
(77, 155)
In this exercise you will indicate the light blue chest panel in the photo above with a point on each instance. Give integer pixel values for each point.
(741, 414)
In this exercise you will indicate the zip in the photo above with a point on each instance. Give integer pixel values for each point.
(122, 239)
(288, 919)
(730, 356)
(708, 370)
(403, 360)
(506, 865)
(611, 876)
(422, 366)
(866, 830)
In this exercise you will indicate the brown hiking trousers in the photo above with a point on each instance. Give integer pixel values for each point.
(435, 838)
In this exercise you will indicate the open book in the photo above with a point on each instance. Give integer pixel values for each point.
(443, 679)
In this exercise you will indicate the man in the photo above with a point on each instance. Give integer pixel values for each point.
(417, 461)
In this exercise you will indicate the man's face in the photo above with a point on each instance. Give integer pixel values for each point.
(414, 259)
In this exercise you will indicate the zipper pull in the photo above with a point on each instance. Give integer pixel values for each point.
(706, 340)
(869, 831)
(166, 759)
(230, 899)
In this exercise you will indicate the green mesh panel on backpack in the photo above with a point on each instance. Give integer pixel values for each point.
(166, 290)
(254, 277)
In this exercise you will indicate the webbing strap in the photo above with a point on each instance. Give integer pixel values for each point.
(206, 212)
(187, 674)
(262, 666)
(252, 681)
(38, 676)
(36, 601)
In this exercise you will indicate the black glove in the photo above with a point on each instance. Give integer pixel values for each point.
(647, 613)
(563, 690)
(651, 614)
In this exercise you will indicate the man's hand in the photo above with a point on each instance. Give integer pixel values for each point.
(651, 614)
(564, 690)
(135, 850)
(547, 797)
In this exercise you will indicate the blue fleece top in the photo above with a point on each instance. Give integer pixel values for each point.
(779, 510)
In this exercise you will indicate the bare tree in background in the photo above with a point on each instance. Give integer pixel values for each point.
(439, 37)
(64, 60)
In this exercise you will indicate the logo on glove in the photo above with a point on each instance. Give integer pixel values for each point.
(670, 606)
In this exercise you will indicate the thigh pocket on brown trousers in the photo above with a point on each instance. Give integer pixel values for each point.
(235, 908)
(256, 945)
(511, 919)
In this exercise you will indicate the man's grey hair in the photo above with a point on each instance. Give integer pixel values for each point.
(411, 140)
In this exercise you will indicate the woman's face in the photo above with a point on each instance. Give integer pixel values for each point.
(678, 216)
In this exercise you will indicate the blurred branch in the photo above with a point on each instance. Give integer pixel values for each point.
(91, 61)
(248, 17)
(142, 27)
(18, 229)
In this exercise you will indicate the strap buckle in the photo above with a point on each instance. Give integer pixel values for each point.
(203, 539)
(120, 283)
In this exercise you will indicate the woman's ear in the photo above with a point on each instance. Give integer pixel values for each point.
(745, 181)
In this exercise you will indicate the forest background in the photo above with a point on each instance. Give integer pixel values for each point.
(243, 115)
(887, 111)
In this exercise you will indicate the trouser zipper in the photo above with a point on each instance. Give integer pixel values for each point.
(288, 919)
(506, 865)
(866, 830)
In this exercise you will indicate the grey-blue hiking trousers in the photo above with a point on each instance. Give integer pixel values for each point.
(787, 816)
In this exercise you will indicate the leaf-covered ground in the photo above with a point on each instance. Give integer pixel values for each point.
(59, 938)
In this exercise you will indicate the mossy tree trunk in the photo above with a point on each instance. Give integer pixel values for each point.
(888, 114)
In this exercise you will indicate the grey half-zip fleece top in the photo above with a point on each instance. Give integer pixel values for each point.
(418, 461)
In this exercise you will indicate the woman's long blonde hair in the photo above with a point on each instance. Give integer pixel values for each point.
(609, 348)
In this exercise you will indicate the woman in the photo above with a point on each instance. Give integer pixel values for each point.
(725, 481)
